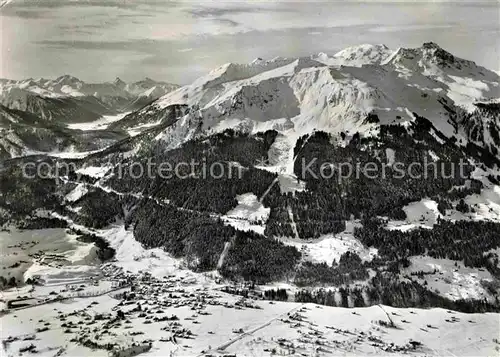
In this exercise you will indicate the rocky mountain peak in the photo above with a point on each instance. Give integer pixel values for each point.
(119, 83)
(67, 80)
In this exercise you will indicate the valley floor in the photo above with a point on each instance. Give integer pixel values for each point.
(187, 314)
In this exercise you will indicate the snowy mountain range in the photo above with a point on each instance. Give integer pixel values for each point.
(321, 92)
(335, 94)
(54, 99)
(39, 115)
(198, 244)
(69, 86)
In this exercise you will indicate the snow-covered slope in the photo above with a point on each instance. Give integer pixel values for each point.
(22, 134)
(334, 94)
(294, 96)
(357, 55)
(463, 81)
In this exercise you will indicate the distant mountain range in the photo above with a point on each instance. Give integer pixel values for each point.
(36, 115)
(68, 99)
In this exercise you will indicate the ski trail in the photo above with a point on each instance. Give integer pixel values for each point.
(268, 189)
(164, 202)
(292, 222)
(388, 316)
(223, 255)
(251, 332)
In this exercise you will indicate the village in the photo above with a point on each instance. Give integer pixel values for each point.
(124, 315)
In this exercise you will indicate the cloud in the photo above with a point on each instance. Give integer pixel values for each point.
(95, 45)
(135, 15)
(25, 14)
(149, 37)
(234, 10)
(124, 4)
(227, 22)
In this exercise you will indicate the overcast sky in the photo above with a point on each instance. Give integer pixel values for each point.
(177, 41)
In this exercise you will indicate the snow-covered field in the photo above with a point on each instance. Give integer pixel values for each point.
(449, 278)
(421, 214)
(181, 318)
(249, 208)
(330, 247)
(484, 206)
(248, 215)
(99, 124)
(182, 313)
(52, 254)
